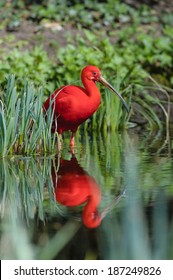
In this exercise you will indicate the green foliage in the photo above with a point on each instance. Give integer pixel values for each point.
(89, 13)
(93, 14)
(35, 66)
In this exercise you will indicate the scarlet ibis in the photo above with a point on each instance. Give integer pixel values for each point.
(73, 186)
(72, 105)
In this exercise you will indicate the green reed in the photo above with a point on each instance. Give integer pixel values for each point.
(23, 127)
(111, 114)
(149, 101)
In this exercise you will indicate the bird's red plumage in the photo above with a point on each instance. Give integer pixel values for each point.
(73, 105)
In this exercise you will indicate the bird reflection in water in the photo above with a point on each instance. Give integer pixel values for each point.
(73, 186)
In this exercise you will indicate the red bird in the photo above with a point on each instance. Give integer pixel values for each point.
(73, 105)
(73, 186)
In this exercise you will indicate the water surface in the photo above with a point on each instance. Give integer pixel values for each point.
(110, 198)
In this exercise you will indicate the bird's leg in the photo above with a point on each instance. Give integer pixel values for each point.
(59, 142)
(72, 141)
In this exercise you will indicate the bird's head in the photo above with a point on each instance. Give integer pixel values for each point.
(93, 73)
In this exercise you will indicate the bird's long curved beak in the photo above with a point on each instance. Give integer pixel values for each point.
(106, 84)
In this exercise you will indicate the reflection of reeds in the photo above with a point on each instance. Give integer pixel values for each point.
(22, 186)
(27, 194)
(141, 226)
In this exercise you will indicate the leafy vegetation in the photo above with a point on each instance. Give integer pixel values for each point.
(120, 38)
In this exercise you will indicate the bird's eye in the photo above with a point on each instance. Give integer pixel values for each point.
(95, 73)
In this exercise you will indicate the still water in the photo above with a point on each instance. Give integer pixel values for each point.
(110, 198)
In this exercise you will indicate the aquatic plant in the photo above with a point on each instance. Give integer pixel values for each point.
(23, 128)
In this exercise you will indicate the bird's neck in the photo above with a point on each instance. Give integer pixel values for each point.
(93, 96)
(91, 88)
(91, 217)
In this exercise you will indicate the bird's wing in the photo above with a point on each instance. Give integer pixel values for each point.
(63, 100)
(52, 100)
